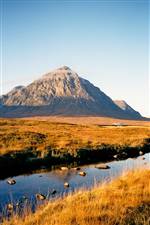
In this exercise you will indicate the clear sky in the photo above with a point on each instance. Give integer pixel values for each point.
(104, 41)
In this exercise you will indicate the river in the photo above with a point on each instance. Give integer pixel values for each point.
(46, 181)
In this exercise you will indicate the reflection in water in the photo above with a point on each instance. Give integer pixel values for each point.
(46, 182)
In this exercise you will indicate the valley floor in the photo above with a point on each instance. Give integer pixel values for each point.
(124, 201)
(41, 135)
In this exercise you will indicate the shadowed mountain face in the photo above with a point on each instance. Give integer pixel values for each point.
(126, 108)
(60, 92)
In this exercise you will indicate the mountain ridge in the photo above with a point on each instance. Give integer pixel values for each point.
(61, 92)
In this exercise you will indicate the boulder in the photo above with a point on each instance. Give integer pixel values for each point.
(40, 196)
(102, 166)
(66, 184)
(141, 153)
(64, 168)
(82, 173)
(11, 181)
(76, 168)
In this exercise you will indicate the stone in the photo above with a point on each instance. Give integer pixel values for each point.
(141, 153)
(76, 168)
(11, 181)
(64, 168)
(66, 184)
(82, 173)
(102, 166)
(40, 196)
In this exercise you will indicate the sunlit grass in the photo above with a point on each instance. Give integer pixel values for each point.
(18, 135)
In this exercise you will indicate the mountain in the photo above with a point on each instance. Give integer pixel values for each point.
(60, 92)
(126, 108)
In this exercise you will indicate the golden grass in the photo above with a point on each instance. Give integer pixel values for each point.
(18, 134)
(125, 201)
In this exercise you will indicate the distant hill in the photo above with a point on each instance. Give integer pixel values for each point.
(62, 92)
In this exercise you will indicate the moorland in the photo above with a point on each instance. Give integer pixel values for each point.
(31, 143)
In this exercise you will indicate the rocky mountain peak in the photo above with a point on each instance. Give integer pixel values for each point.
(61, 74)
(61, 91)
(64, 68)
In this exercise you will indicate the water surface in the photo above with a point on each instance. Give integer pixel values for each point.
(45, 181)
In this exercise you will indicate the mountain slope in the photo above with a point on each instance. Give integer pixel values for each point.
(60, 92)
(126, 108)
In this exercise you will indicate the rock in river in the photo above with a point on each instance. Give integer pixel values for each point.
(76, 168)
(102, 166)
(82, 173)
(40, 196)
(64, 168)
(141, 153)
(66, 184)
(11, 181)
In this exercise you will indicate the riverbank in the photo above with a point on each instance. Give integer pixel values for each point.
(30, 144)
(27, 161)
(124, 201)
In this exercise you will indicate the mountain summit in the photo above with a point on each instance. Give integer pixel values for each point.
(60, 92)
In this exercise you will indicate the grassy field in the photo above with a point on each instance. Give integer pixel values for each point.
(17, 134)
(124, 201)
(27, 144)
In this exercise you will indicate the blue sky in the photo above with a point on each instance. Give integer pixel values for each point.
(106, 42)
